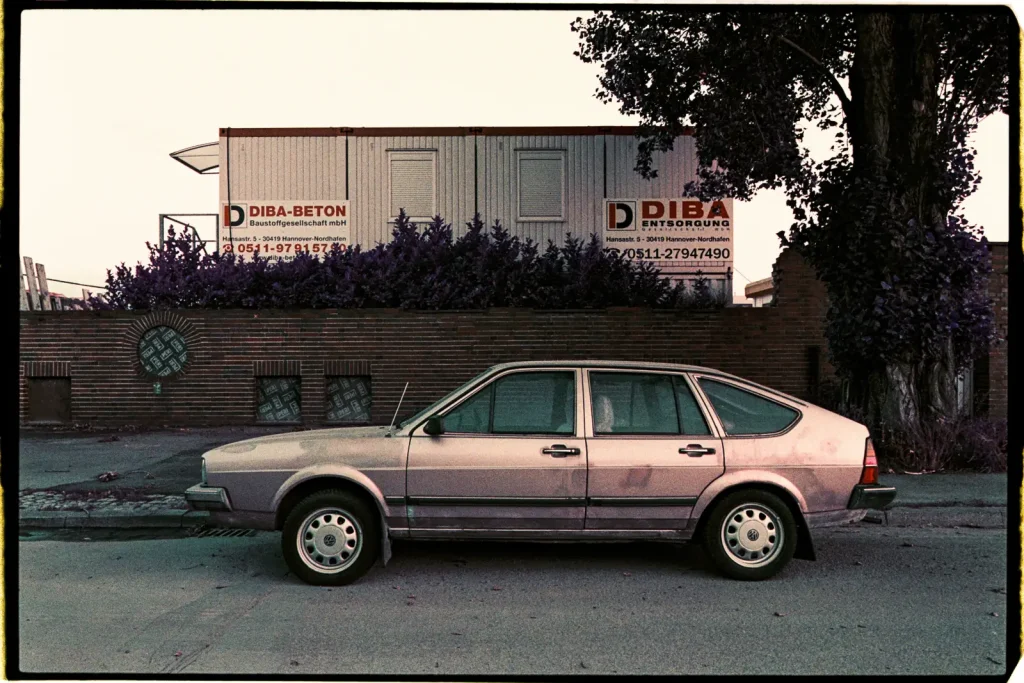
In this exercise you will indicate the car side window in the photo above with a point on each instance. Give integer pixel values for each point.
(473, 416)
(744, 413)
(535, 403)
(690, 414)
(633, 403)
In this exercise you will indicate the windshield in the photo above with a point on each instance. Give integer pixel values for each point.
(433, 406)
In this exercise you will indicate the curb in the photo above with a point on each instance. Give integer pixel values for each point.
(949, 517)
(161, 519)
(937, 517)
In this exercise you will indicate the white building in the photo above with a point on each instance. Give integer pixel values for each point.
(307, 187)
(760, 292)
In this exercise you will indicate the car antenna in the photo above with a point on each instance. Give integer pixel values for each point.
(391, 428)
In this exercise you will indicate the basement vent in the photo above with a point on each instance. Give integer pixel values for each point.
(278, 399)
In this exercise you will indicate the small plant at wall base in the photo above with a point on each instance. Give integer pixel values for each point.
(425, 269)
(933, 444)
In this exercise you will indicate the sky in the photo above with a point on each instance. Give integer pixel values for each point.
(107, 95)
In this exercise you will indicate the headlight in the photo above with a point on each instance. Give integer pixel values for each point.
(204, 472)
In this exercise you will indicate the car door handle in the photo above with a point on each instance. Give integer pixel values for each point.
(695, 450)
(560, 451)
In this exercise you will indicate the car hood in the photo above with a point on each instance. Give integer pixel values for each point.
(311, 435)
(356, 446)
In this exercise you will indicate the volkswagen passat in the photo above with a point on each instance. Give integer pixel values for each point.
(573, 450)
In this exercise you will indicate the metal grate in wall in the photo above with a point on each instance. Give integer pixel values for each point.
(348, 399)
(162, 351)
(278, 399)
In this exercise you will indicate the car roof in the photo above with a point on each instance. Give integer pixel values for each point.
(638, 365)
(645, 365)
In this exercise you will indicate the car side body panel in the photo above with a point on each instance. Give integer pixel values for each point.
(645, 481)
(818, 459)
(258, 473)
(499, 481)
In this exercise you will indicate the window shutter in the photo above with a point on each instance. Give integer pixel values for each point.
(413, 184)
(540, 186)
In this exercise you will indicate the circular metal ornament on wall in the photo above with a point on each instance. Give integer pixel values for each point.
(162, 351)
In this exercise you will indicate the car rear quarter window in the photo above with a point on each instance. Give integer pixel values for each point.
(633, 403)
(743, 413)
(535, 403)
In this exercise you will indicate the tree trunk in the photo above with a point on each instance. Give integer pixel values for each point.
(894, 135)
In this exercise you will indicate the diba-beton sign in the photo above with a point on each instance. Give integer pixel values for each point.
(278, 230)
(684, 232)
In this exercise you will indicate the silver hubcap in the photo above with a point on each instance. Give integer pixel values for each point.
(752, 535)
(329, 540)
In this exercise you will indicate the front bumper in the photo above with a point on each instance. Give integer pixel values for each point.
(871, 497)
(201, 497)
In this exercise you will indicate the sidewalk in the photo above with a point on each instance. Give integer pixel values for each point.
(58, 484)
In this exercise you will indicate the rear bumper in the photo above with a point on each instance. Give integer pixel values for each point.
(871, 497)
(211, 498)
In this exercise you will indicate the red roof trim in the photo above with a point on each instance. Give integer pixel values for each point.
(432, 132)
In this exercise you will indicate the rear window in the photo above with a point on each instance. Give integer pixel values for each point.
(743, 413)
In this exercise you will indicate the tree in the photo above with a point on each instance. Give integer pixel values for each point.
(879, 220)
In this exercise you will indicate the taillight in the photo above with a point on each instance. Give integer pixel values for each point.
(870, 473)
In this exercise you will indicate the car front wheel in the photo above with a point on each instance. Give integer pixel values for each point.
(330, 538)
(750, 535)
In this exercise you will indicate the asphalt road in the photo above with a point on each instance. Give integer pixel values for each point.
(73, 460)
(878, 601)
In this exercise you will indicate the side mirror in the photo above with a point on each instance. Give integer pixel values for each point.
(434, 426)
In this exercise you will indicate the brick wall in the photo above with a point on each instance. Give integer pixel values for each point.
(998, 288)
(781, 346)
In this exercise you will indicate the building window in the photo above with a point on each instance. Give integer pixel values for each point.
(278, 399)
(413, 178)
(541, 185)
(348, 399)
(162, 351)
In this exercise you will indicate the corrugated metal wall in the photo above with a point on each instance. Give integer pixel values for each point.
(314, 167)
(584, 184)
(283, 167)
(369, 182)
(675, 169)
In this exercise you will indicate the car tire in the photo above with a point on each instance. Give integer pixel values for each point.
(331, 538)
(750, 535)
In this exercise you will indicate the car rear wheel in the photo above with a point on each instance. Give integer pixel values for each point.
(330, 538)
(750, 535)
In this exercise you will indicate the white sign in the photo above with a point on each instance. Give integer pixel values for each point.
(675, 233)
(278, 230)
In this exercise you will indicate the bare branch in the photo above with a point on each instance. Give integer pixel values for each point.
(837, 87)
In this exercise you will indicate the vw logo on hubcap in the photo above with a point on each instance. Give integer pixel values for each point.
(330, 540)
(751, 535)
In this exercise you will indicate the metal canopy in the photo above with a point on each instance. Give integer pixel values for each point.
(203, 158)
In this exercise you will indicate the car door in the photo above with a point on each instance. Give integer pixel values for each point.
(651, 449)
(512, 457)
